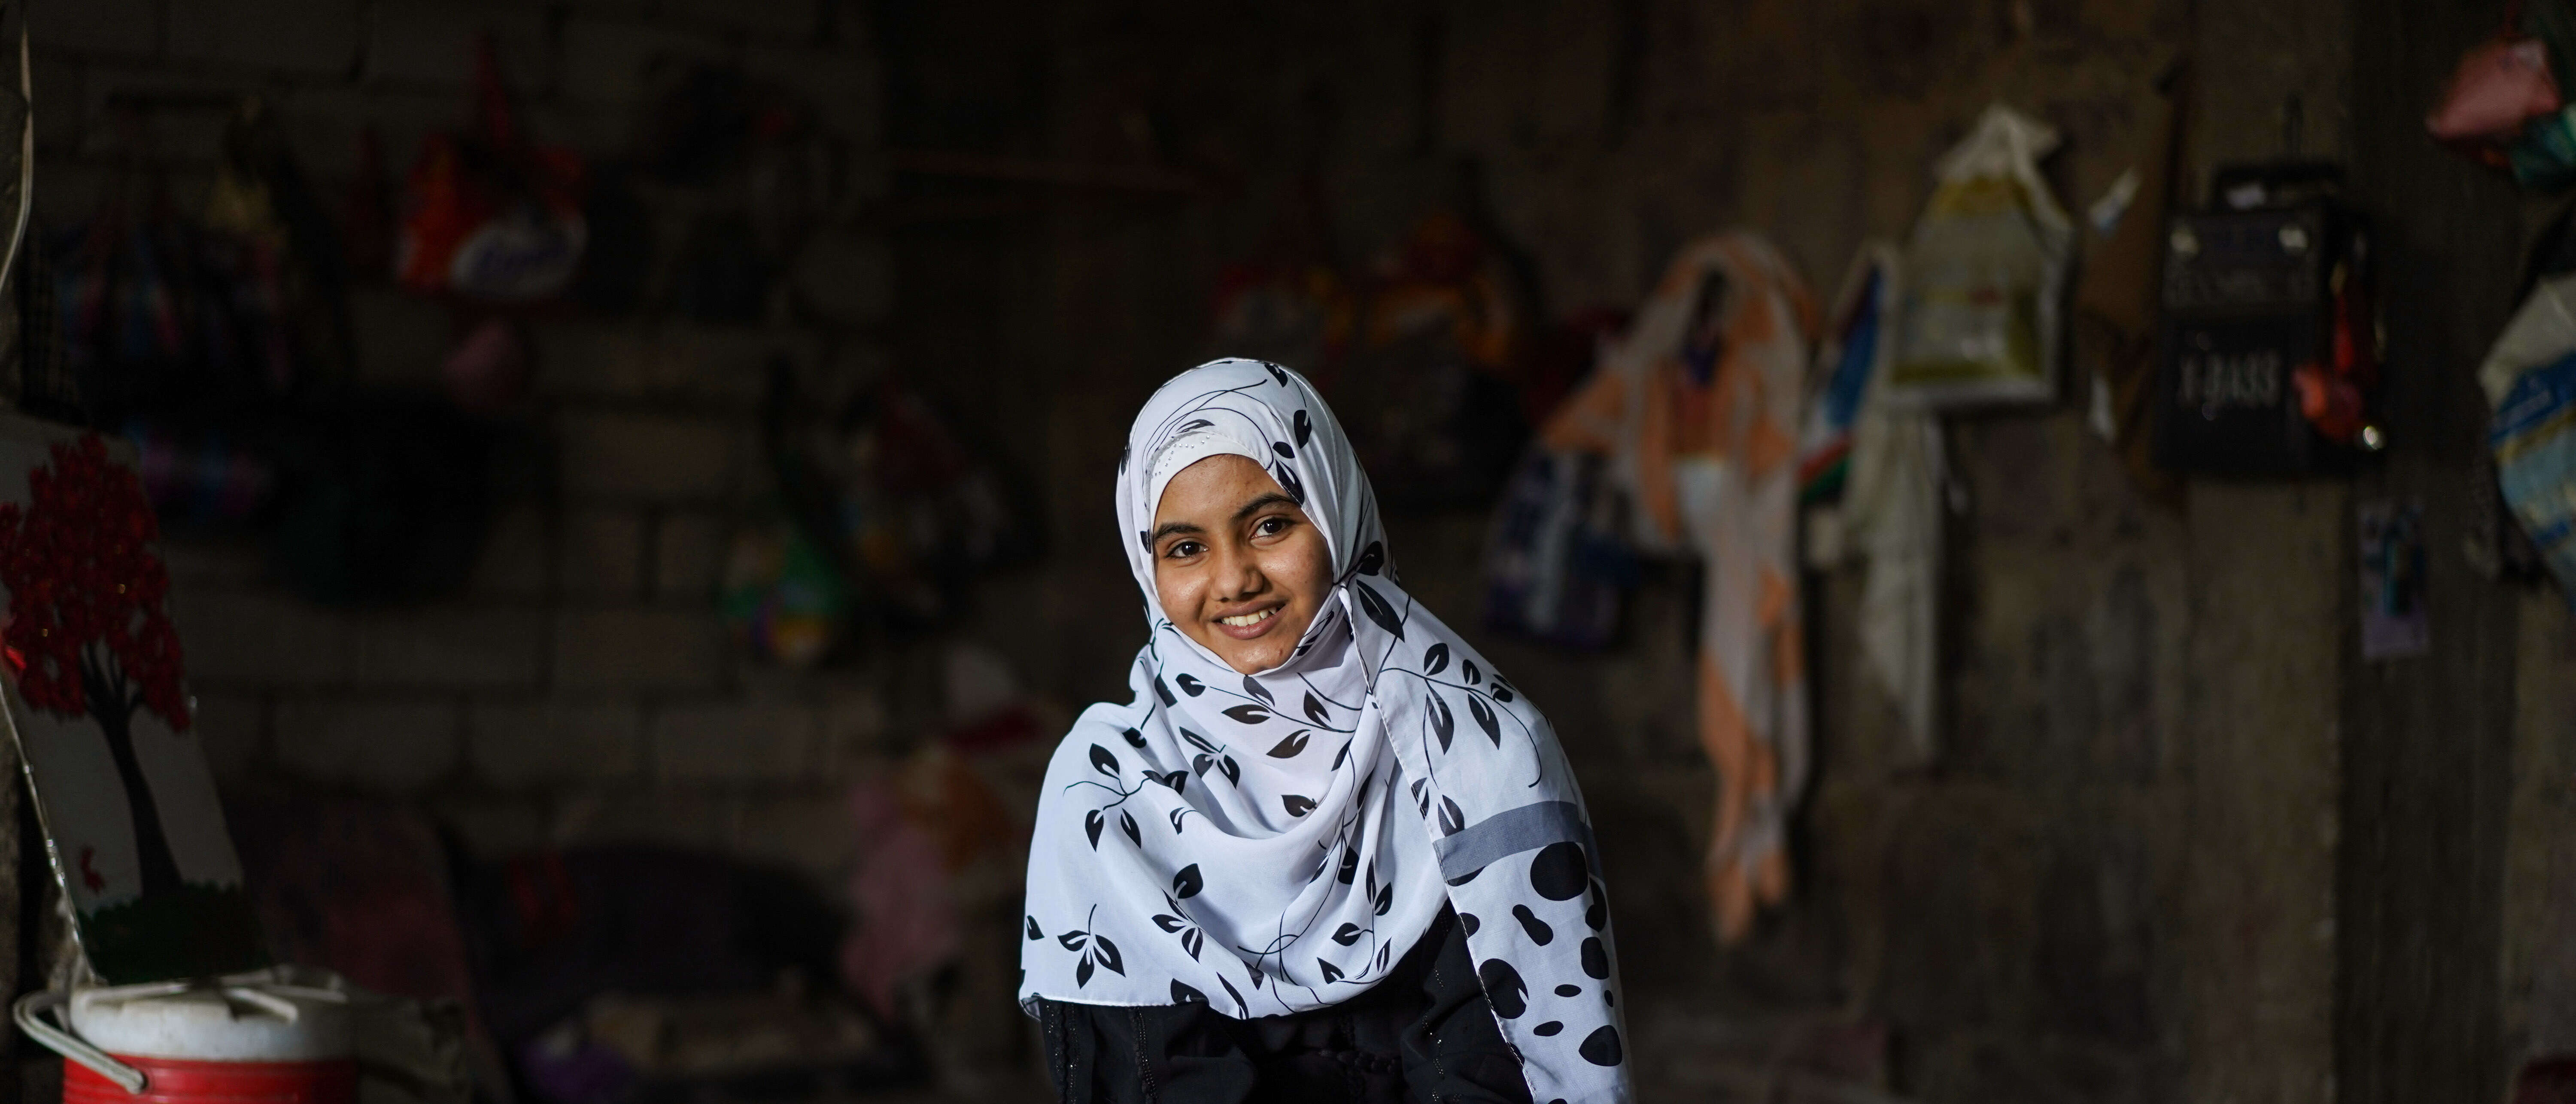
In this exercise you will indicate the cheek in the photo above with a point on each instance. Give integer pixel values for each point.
(1305, 565)
(1178, 591)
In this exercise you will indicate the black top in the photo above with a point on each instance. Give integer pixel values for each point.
(1422, 1036)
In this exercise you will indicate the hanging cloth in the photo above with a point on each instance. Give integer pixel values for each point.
(1698, 411)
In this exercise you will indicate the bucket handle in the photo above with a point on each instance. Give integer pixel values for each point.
(29, 1013)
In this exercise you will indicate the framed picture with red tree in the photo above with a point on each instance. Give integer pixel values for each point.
(97, 698)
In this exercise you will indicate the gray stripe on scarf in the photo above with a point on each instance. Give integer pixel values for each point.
(1511, 832)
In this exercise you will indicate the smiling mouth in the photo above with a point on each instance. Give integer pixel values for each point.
(1248, 620)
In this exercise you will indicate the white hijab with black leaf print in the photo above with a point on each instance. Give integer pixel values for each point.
(1275, 843)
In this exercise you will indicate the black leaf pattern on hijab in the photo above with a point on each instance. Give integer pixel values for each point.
(1103, 761)
(1127, 823)
(1190, 685)
(1275, 373)
(1315, 710)
(1305, 427)
(1347, 934)
(1331, 975)
(1291, 747)
(1092, 822)
(1239, 1008)
(1436, 660)
(1288, 482)
(1165, 693)
(1182, 994)
(1297, 804)
(1187, 883)
(1247, 713)
(1485, 719)
(1371, 558)
(1032, 923)
(1452, 821)
(1281, 447)
(1467, 667)
(1374, 605)
(1135, 739)
(1253, 687)
(1443, 724)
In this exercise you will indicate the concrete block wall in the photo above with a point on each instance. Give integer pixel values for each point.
(580, 687)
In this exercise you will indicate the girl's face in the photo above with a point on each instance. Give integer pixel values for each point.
(1236, 563)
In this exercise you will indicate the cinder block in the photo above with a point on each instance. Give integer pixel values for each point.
(495, 828)
(845, 277)
(594, 130)
(616, 62)
(213, 563)
(603, 553)
(325, 122)
(688, 555)
(733, 741)
(396, 745)
(693, 817)
(796, 19)
(128, 27)
(728, 363)
(844, 86)
(664, 457)
(232, 730)
(402, 339)
(514, 560)
(303, 36)
(102, 84)
(528, 743)
(810, 833)
(639, 648)
(68, 192)
(59, 122)
(444, 647)
(622, 360)
(260, 638)
(854, 729)
(433, 43)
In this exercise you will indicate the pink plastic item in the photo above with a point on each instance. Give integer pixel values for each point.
(2499, 86)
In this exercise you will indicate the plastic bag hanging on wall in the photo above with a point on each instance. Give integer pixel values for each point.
(1986, 273)
(490, 214)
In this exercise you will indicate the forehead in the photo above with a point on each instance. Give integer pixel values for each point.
(1213, 488)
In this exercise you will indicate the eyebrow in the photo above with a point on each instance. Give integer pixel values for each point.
(1256, 505)
(1170, 527)
(1247, 510)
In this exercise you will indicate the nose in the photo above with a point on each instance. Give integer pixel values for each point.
(1239, 576)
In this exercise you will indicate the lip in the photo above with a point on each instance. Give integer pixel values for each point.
(1249, 632)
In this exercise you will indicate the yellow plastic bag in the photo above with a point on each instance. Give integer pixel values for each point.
(1986, 273)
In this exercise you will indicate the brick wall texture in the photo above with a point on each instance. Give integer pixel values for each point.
(581, 686)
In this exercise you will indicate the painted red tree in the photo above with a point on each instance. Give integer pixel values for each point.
(88, 632)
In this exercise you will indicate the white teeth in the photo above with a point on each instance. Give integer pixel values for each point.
(1247, 619)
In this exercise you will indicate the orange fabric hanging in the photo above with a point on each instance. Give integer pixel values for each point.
(1698, 410)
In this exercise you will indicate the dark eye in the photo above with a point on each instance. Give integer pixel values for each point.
(1271, 526)
(1182, 550)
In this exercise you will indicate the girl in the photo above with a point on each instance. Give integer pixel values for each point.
(1328, 853)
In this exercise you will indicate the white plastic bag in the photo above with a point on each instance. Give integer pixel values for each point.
(2530, 381)
(1986, 273)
